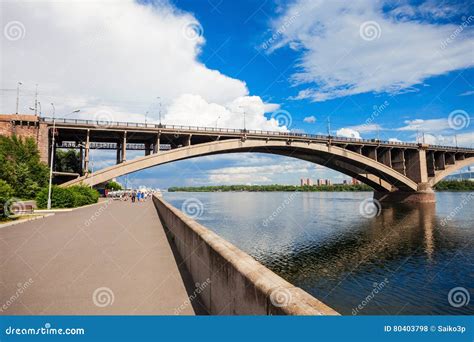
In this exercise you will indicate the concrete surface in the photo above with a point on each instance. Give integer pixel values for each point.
(232, 282)
(109, 259)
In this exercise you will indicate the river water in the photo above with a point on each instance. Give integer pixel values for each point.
(397, 261)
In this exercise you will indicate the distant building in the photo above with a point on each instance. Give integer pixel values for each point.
(327, 182)
(345, 182)
(355, 181)
(306, 182)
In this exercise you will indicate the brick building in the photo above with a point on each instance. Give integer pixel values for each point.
(24, 125)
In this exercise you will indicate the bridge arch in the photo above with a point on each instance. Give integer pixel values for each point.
(450, 169)
(367, 170)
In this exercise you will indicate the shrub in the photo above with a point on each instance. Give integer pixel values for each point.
(84, 195)
(74, 196)
(6, 192)
(60, 198)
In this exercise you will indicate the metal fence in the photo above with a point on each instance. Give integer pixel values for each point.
(120, 124)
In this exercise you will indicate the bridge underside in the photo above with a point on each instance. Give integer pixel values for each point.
(377, 168)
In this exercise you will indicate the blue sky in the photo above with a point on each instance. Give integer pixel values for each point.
(374, 68)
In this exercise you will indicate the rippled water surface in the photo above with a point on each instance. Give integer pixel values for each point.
(403, 261)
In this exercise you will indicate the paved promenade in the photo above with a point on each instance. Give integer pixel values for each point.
(110, 258)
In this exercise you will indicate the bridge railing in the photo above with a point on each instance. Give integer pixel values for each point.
(106, 124)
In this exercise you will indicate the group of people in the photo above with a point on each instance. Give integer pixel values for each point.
(134, 195)
(139, 196)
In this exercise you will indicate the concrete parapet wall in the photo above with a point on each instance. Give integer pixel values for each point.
(231, 282)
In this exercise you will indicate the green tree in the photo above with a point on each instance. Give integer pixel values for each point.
(6, 193)
(20, 166)
(67, 161)
(114, 186)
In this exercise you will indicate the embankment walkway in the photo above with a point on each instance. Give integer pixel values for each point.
(110, 258)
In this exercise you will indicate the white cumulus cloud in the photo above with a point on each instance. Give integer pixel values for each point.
(354, 47)
(348, 133)
(117, 57)
(310, 119)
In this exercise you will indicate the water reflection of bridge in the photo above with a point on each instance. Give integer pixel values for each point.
(407, 247)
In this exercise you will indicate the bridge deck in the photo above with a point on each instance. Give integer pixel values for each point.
(116, 245)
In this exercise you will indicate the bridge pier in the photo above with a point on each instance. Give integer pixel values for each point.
(406, 197)
(156, 145)
(86, 153)
(147, 148)
(81, 157)
(124, 147)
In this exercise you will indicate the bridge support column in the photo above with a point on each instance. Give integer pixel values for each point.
(86, 153)
(147, 148)
(156, 145)
(118, 153)
(416, 168)
(81, 157)
(188, 140)
(124, 147)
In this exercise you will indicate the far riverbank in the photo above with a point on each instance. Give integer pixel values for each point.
(464, 185)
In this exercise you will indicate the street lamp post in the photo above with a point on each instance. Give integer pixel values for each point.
(36, 100)
(18, 96)
(217, 120)
(245, 126)
(329, 126)
(159, 110)
(73, 112)
(52, 160)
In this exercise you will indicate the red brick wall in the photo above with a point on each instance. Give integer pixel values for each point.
(26, 126)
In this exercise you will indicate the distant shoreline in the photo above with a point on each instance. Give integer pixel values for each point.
(273, 188)
(443, 186)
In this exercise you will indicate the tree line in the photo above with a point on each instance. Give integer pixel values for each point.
(272, 187)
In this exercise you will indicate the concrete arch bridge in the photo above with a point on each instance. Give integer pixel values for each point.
(400, 172)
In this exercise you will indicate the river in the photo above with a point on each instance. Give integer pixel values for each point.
(359, 261)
